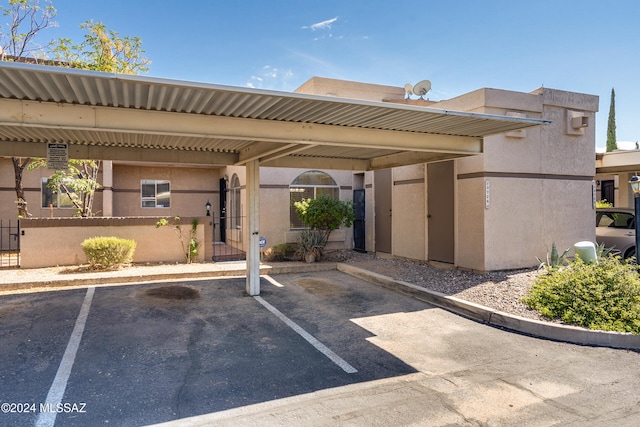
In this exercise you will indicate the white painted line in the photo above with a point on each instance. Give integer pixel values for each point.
(273, 281)
(310, 338)
(56, 392)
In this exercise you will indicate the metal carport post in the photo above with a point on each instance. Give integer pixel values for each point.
(253, 206)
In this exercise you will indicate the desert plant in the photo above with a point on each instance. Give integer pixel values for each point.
(310, 244)
(189, 242)
(107, 253)
(603, 295)
(280, 252)
(553, 259)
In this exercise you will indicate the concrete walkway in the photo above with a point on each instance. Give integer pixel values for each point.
(13, 281)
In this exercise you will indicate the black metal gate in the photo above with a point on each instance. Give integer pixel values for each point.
(359, 243)
(228, 239)
(9, 243)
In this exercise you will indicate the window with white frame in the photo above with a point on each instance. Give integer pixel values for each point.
(235, 206)
(155, 193)
(50, 197)
(309, 185)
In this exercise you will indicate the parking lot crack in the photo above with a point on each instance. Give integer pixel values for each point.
(194, 364)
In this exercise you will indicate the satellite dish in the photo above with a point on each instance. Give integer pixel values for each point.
(408, 88)
(421, 88)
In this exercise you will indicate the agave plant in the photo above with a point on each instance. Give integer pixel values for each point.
(553, 259)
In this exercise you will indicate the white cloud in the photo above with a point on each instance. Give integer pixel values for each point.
(324, 25)
(271, 78)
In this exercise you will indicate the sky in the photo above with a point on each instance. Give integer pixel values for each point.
(586, 46)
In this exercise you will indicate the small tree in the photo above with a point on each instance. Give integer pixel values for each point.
(79, 182)
(325, 214)
(611, 124)
(102, 50)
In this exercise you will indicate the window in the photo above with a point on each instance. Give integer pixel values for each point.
(309, 185)
(616, 220)
(155, 193)
(50, 197)
(235, 207)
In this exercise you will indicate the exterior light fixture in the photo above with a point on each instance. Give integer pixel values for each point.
(635, 187)
(208, 206)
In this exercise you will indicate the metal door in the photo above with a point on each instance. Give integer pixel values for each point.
(358, 224)
(223, 210)
(10, 243)
(608, 191)
(382, 207)
(440, 187)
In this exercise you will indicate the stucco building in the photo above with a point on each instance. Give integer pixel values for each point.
(495, 207)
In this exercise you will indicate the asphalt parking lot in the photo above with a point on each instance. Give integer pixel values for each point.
(313, 349)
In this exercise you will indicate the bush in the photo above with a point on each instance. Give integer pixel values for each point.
(603, 296)
(106, 253)
(281, 252)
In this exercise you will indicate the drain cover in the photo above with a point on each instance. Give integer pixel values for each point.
(173, 292)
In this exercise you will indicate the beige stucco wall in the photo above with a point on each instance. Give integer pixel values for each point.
(347, 89)
(31, 181)
(409, 216)
(191, 188)
(52, 242)
(540, 182)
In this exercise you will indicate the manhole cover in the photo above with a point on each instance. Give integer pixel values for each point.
(173, 292)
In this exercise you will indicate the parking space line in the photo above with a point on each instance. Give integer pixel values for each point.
(56, 392)
(310, 338)
(273, 281)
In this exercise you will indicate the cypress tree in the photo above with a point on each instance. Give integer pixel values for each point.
(611, 125)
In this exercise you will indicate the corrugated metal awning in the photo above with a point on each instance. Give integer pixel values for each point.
(249, 123)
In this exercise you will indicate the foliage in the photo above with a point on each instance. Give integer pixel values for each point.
(188, 240)
(102, 50)
(611, 124)
(107, 253)
(310, 242)
(603, 295)
(553, 259)
(26, 19)
(603, 204)
(79, 182)
(325, 214)
(280, 252)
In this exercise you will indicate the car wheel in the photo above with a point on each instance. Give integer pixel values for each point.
(630, 253)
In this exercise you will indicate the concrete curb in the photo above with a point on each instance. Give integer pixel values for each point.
(98, 279)
(489, 316)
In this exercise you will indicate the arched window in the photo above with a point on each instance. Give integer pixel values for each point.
(235, 208)
(309, 185)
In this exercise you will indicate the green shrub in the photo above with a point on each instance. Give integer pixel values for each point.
(280, 252)
(106, 253)
(603, 296)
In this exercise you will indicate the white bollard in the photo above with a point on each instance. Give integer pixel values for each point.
(586, 251)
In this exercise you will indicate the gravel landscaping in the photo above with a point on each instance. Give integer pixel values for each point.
(500, 290)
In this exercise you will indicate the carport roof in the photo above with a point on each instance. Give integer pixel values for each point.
(227, 125)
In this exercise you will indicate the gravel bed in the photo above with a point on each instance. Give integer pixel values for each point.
(500, 290)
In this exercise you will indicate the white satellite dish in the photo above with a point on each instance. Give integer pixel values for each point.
(422, 88)
(408, 89)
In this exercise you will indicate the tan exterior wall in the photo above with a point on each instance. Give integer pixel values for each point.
(409, 216)
(540, 182)
(52, 242)
(346, 89)
(31, 181)
(191, 188)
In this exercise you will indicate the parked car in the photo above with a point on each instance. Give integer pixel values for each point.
(616, 228)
